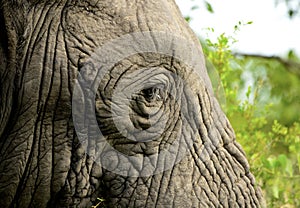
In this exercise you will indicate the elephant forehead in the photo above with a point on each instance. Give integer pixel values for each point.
(95, 23)
(127, 16)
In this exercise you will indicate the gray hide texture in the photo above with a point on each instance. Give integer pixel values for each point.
(111, 99)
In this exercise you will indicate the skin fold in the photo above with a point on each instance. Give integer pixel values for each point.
(44, 46)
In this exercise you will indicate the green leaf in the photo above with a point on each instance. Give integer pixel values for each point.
(289, 168)
(271, 163)
(282, 159)
(291, 55)
(291, 13)
(248, 93)
(275, 190)
(188, 19)
(209, 7)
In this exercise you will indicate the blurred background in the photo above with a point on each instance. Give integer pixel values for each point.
(273, 31)
(252, 50)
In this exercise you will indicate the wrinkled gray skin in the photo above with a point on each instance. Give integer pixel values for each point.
(42, 164)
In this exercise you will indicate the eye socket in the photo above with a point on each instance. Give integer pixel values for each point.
(153, 94)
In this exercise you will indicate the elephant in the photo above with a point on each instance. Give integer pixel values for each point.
(111, 100)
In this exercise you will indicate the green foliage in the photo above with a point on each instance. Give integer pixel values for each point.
(188, 19)
(209, 7)
(281, 87)
(262, 104)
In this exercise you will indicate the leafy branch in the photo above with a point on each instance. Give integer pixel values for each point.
(290, 66)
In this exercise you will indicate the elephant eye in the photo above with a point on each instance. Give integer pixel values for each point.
(153, 94)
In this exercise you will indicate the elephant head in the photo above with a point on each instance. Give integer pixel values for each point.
(111, 99)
